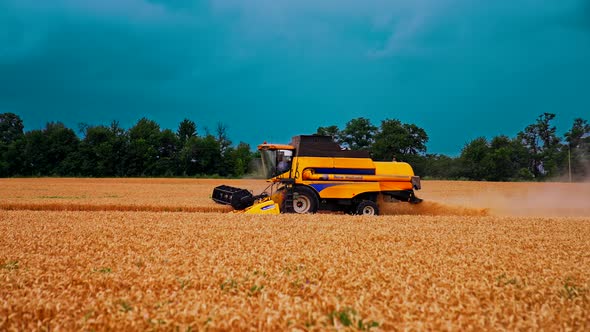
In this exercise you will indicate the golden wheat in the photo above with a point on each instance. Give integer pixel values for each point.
(451, 268)
(193, 195)
(138, 270)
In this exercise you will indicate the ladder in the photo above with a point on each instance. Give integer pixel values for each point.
(289, 185)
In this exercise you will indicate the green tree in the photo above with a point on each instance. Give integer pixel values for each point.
(331, 131)
(11, 128)
(11, 135)
(167, 159)
(143, 151)
(243, 157)
(228, 162)
(542, 145)
(35, 149)
(578, 146)
(225, 166)
(189, 157)
(502, 166)
(51, 151)
(580, 130)
(398, 140)
(103, 151)
(521, 160)
(437, 166)
(120, 146)
(475, 159)
(96, 152)
(11, 158)
(62, 144)
(186, 130)
(358, 134)
(222, 137)
(201, 155)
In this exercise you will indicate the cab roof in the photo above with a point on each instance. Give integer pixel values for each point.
(271, 146)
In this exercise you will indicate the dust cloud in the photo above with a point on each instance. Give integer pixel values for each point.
(549, 199)
(429, 209)
(541, 200)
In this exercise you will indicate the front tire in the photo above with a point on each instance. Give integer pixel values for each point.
(367, 208)
(305, 200)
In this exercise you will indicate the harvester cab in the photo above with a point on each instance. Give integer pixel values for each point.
(277, 160)
(314, 173)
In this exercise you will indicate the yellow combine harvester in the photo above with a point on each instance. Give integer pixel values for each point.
(313, 173)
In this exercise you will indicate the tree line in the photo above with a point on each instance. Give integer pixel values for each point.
(111, 151)
(536, 153)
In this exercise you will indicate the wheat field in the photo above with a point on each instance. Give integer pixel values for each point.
(158, 254)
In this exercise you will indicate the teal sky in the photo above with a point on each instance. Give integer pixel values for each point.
(272, 69)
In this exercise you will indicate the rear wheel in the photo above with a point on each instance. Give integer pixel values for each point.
(367, 208)
(305, 200)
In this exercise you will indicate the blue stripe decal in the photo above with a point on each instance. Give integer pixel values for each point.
(356, 171)
(321, 186)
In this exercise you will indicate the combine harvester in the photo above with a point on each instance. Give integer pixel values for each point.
(313, 173)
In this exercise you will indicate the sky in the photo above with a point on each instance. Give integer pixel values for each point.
(272, 69)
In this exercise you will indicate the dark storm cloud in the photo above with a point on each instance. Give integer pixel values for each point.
(114, 57)
(270, 69)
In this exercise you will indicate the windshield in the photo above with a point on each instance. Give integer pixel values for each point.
(276, 162)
